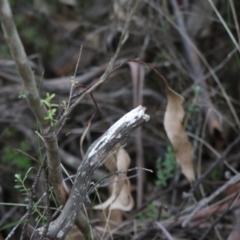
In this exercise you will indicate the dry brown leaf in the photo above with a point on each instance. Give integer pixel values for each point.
(173, 125)
(124, 201)
(121, 197)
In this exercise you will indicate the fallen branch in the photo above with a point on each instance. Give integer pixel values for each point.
(95, 156)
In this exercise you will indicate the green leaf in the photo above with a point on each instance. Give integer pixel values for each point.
(45, 102)
(26, 175)
(50, 97)
(22, 95)
(47, 117)
(18, 176)
(53, 111)
(197, 90)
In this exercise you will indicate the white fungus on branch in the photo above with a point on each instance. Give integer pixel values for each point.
(128, 119)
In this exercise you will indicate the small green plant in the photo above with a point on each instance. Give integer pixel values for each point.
(166, 167)
(64, 104)
(153, 212)
(25, 191)
(216, 174)
(73, 81)
(21, 95)
(51, 107)
(192, 108)
(21, 186)
(150, 212)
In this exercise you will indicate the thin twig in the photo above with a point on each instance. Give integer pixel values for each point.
(109, 69)
(88, 125)
(164, 230)
(224, 24)
(194, 47)
(115, 173)
(205, 201)
(235, 19)
(96, 154)
(209, 170)
(29, 156)
(138, 83)
(73, 78)
(16, 226)
(231, 203)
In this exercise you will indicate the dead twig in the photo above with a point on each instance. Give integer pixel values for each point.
(138, 72)
(164, 230)
(109, 69)
(209, 170)
(206, 200)
(231, 203)
(95, 155)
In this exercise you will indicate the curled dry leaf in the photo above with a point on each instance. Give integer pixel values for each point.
(175, 131)
(124, 201)
(121, 197)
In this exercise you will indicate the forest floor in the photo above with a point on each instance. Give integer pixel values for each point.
(180, 60)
